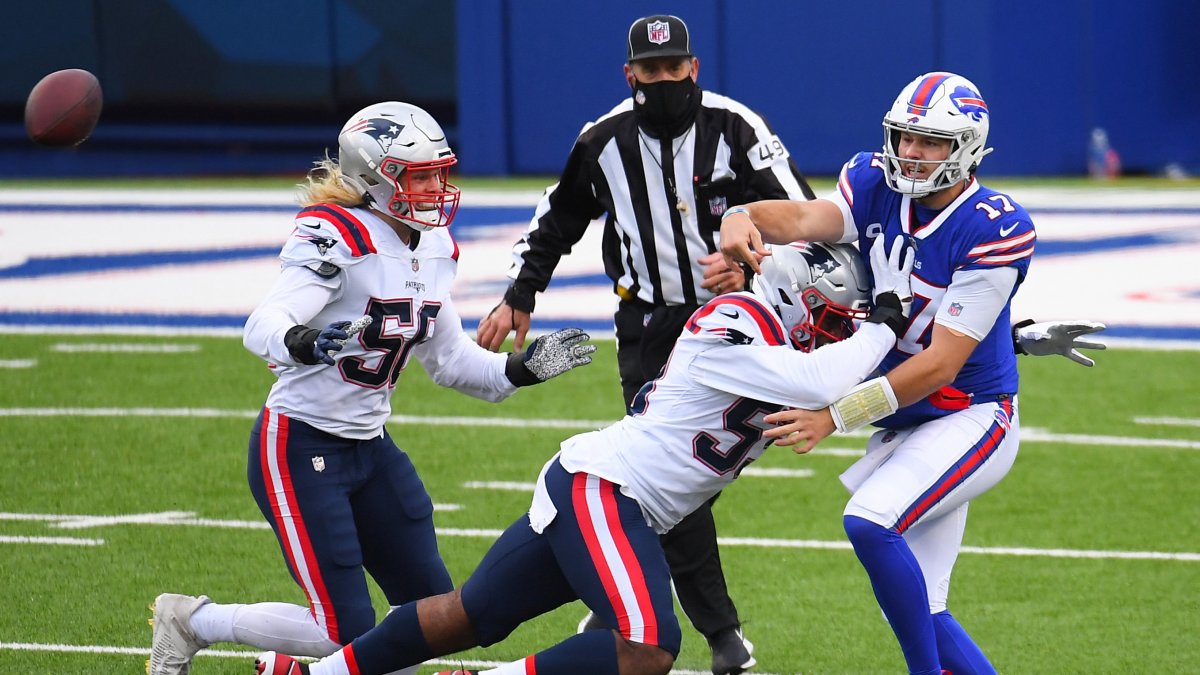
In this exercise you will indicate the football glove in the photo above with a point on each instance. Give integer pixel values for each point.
(549, 356)
(893, 288)
(311, 346)
(1056, 337)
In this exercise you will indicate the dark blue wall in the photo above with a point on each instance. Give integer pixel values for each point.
(824, 73)
(231, 86)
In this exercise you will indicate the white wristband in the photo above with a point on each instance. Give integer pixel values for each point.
(868, 402)
(735, 209)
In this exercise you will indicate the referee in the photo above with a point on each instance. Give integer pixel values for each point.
(662, 167)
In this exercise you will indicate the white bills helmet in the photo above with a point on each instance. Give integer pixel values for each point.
(817, 289)
(942, 105)
(382, 146)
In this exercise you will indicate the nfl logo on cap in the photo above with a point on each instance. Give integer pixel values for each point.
(658, 32)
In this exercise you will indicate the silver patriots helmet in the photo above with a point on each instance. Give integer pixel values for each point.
(383, 147)
(817, 289)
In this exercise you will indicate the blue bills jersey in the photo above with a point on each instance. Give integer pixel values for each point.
(981, 230)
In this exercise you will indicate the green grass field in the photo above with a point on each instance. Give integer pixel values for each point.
(121, 434)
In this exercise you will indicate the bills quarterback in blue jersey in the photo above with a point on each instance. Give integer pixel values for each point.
(945, 397)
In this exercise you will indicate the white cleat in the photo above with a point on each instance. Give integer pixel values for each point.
(174, 642)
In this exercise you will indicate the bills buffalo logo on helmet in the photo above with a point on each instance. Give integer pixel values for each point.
(969, 103)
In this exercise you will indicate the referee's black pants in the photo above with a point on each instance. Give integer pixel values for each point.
(645, 336)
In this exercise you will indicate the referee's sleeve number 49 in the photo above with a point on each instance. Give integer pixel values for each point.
(767, 153)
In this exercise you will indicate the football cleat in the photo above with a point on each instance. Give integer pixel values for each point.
(732, 652)
(589, 622)
(174, 643)
(274, 663)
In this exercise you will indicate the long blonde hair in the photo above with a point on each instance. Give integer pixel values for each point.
(325, 185)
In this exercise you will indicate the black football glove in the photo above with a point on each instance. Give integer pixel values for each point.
(549, 356)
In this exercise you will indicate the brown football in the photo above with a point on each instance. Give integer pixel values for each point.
(62, 109)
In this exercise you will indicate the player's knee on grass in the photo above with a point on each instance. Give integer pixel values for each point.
(636, 658)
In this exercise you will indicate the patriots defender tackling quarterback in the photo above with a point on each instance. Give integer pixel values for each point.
(602, 502)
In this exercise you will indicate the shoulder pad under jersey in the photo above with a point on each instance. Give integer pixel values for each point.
(327, 238)
(737, 319)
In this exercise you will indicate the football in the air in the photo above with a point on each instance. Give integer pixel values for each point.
(63, 108)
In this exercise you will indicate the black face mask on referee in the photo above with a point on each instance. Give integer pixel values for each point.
(666, 108)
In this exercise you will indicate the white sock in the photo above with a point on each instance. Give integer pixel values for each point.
(270, 626)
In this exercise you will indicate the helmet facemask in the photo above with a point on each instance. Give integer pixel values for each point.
(818, 290)
(421, 208)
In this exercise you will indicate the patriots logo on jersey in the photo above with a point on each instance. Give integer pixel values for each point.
(969, 103)
(383, 131)
(736, 337)
(323, 244)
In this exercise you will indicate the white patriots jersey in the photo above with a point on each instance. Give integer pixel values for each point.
(340, 264)
(691, 431)
(981, 231)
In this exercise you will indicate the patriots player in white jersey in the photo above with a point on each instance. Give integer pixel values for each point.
(592, 531)
(344, 501)
(946, 395)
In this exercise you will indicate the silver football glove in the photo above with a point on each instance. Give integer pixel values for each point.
(1058, 337)
(550, 356)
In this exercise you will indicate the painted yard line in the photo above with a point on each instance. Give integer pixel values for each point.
(1027, 434)
(247, 654)
(1168, 421)
(18, 363)
(777, 473)
(515, 486)
(511, 486)
(1015, 551)
(124, 348)
(59, 541)
(845, 546)
(186, 518)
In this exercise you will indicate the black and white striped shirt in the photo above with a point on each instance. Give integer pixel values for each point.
(663, 198)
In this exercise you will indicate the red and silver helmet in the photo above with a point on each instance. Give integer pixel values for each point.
(817, 289)
(942, 105)
(380, 149)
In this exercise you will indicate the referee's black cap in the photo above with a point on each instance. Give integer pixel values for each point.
(659, 35)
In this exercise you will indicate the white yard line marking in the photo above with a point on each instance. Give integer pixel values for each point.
(511, 486)
(1168, 421)
(18, 363)
(59, 541)
(124, 348)
(188, 518)
(1027, 434)
(777, 473)
(246, 654)
(1001, 550)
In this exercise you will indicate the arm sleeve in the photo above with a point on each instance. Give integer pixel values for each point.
(559, 222)
(298, 295)
(781, 375)
(978, 296)
(453, 360)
